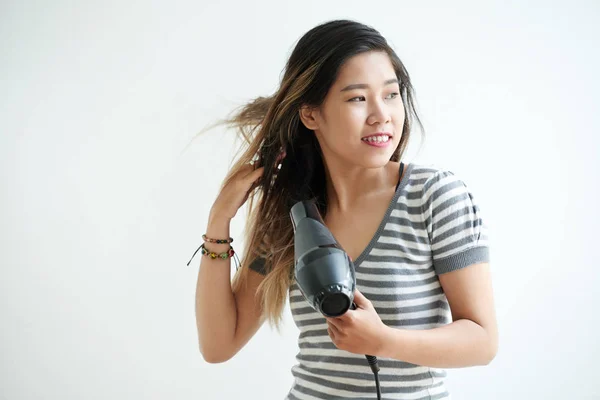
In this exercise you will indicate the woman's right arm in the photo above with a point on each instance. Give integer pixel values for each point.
(226, 320)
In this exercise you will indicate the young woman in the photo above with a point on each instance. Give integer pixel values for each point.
(336, 130)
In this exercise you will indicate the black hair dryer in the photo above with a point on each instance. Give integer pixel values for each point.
(323, 270)
(324, 273)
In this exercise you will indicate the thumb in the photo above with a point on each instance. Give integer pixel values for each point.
(360, 300)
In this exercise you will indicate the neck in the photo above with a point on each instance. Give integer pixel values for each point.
(351, 187)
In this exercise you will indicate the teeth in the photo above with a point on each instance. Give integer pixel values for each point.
(378, 139)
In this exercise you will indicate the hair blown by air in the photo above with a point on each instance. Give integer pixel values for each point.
(268, 125)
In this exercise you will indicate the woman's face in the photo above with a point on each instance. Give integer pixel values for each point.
(363, 101)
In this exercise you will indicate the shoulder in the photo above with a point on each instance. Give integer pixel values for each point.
(429, 171)
(434, 184)
(431, 175)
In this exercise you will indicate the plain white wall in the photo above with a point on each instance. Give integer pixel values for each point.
(101, 208)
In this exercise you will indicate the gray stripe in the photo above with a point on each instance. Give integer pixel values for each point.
(395, 271)
(394, 284)
(409, 237)
(433, 319)
(390, 310)
(468, 240)
(458, 199)
(467, 211)
(452, 201)
(368, 376)
(359, 388)
(417, 181)
(359, 361)
(320, 395)
(388, 297)
(399, 246)
(469, 227)
(392, 259)
(412, 210)
(441, 207)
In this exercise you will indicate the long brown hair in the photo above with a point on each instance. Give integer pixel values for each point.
(268, 125)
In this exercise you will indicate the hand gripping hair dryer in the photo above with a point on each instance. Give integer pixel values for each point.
(324, 273)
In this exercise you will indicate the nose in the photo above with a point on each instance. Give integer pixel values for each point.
(379, 114)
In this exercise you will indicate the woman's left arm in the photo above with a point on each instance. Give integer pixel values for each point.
(471, 339)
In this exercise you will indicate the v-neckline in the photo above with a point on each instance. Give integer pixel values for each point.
(405, 173)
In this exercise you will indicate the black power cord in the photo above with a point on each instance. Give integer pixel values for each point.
(372, 360)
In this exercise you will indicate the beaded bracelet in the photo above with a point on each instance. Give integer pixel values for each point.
(207, 239)
(213, 255)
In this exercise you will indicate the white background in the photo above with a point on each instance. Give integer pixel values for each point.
(101, 208)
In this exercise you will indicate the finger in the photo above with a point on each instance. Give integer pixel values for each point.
(360, 300)
(336, 323)
(331, 333)
(255, 174)
(335, 331)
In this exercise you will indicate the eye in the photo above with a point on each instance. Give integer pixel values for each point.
(393, 95)
(358, 98)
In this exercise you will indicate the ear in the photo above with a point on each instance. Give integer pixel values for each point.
(308, 116)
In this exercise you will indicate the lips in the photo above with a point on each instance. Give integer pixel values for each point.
(378, 134)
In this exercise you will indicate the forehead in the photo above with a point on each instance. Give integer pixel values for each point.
(372, 66)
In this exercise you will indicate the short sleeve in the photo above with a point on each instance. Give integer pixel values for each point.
(259, 265)
(453, 221)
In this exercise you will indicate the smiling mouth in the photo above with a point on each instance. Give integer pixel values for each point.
(377, 139)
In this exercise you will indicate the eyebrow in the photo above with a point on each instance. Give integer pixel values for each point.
(365, 86)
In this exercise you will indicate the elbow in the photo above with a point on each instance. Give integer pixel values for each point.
(491, 350)
(214, 357)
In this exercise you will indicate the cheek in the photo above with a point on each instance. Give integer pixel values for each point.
(399, 115)
(350, 119)
(342, 121)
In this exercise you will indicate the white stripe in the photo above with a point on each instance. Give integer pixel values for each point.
(396, 277)
(455, 250)
(460, 205)
(409, 302)
(395, 290)
(323, 327)
(465, 233)
(450, 194)
(369, 381)
(357, 368)
(421, 175)
(433, 312)
(420, 233)
(453, 224)
(399, 253)
(414, 218)
(348, 394)
(443, 181)
(396, 264)
(366, 290)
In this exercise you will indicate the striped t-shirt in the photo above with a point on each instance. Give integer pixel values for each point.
(432, 226)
